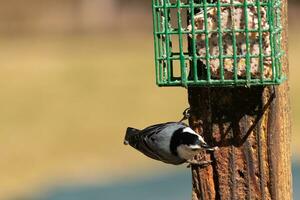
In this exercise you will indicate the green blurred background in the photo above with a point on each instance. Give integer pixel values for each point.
(74, 74)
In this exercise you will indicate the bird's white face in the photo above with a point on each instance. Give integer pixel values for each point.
(187, 152)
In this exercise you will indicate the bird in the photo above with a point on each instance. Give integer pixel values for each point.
(171, 142)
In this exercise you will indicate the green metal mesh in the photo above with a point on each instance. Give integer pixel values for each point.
(177, 38)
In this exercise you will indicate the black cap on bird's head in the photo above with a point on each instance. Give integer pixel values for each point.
(186, 143)
(191, 138)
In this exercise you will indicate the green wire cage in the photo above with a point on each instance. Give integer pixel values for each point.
(217, 42)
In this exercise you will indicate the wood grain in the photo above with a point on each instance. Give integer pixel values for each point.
(252, 128)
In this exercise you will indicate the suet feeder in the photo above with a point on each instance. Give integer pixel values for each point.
(218, 42)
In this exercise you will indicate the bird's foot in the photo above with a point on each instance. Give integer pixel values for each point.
(186, 114)
(198, 163)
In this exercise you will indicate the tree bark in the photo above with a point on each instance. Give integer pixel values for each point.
(251, 127)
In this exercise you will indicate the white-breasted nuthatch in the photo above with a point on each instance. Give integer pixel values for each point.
(171, 142)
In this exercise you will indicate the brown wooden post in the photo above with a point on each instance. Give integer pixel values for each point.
(252, 128)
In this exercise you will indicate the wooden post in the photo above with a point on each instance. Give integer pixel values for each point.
(252, 128)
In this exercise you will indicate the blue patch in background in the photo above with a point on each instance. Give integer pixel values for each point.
(296, 180)
(174, 186)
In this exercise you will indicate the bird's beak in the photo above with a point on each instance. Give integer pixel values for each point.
(207, 147)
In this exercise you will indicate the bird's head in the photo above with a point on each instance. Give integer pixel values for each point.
(188, 143)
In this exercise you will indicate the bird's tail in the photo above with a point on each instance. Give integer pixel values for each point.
(131, 133)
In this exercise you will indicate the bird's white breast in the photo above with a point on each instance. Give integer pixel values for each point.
(186, 152)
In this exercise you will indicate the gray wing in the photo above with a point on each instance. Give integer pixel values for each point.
(154, 129)
(155, 141)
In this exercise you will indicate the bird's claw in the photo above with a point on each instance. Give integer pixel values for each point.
(198, 163)
(186, 114)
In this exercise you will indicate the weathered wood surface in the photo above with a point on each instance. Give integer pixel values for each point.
(252, 128)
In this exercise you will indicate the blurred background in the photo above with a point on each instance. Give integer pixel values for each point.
(74, 74)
